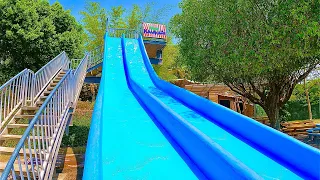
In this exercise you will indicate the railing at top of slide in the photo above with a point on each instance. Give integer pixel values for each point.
(27, 86)
(118, 32)
(95, 59)
(35, 154)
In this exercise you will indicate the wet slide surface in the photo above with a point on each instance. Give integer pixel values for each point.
(254, 159)
(132, 146)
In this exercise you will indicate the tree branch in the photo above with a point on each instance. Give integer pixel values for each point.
(242, 91)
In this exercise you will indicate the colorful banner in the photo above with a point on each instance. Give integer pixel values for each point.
(154, 30)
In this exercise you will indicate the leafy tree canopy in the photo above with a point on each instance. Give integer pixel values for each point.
(260, 49)
(94, 19)
(33, 32)
(171, 68)
(313, 90)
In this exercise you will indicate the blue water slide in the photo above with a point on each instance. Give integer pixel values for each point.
(124, 142)
(210, 158)
(258, 148)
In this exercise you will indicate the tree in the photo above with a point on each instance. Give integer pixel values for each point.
(134, 18)
(306, 89)
(94, 20)
(260, 49)
(33, 32)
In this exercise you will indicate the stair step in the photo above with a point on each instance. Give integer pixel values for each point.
(9, 150)
(50, 88)
(25, 116)
(43, 97)
(39, 102)
(16, 137)
(17, 170)
(12, 126)
(29, 108)
(16, 167)
(46, 93)
(53, 84)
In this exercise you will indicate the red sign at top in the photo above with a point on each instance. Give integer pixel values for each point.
(154, 30)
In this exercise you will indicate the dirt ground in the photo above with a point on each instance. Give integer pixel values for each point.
(70, 163)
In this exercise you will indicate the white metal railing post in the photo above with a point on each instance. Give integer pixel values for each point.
(41, 140)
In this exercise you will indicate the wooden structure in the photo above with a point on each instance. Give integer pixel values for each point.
(297, 127)
(220, 94)
(154, 49)
(154, 38)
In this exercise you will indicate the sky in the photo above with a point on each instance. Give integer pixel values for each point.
(78, 5)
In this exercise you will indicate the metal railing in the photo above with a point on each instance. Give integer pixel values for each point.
(27, 86)
(79, 75)
(118, 32)
(13, 94)
(35, 154)
(43, 77)
(96, 57)
(75, 63)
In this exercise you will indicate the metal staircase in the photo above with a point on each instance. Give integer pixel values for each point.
(35, 109)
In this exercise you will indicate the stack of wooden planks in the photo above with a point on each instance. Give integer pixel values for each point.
(297, 127)
(263, 119)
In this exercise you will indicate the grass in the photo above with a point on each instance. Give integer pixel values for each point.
(78, 133)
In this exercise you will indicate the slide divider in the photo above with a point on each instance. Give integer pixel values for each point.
(299, 157)
(211, 159)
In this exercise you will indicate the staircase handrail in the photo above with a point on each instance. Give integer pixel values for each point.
(79, 76)
(44, 75)
(13, 95)
(50, 121)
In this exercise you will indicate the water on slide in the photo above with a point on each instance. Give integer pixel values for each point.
(257, 161)
(132, 146)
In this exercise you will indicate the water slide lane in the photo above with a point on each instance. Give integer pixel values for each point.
(257, 161)
(132, 146)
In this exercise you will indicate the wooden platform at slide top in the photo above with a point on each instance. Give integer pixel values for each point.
(153, 48)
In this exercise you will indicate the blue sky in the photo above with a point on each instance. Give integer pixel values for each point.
(78, 5)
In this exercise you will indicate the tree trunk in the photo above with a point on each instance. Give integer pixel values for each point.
(273, 115)
(308, 100)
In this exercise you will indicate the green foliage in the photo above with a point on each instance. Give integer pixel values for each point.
(297, 105)
(284, 114)
(299, 94)
(171, 68)
(33, 32)
(259, 111)
(135, 17)
(298, 110)
(260, 49)
(94, 20)
(116, 17)
(78, 133)
(165, 70)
